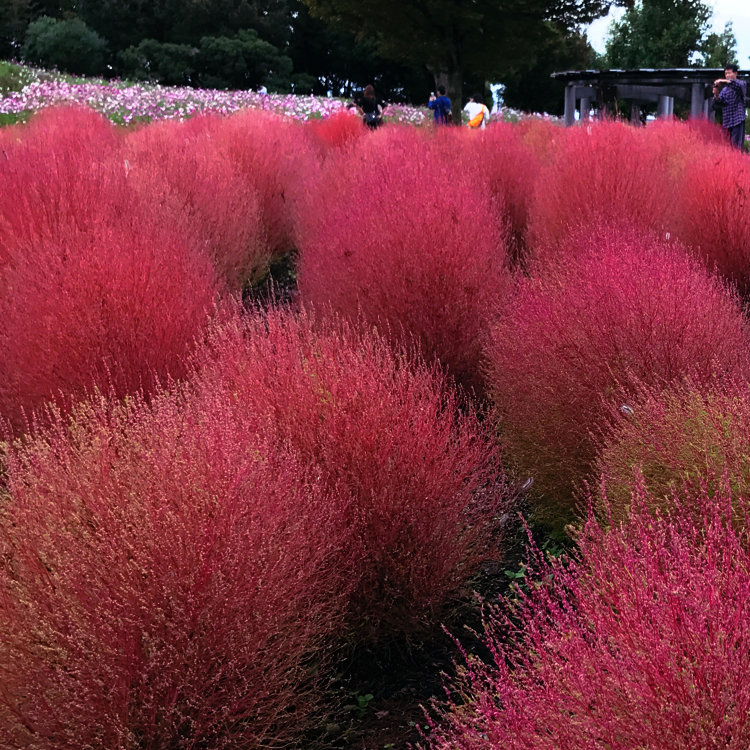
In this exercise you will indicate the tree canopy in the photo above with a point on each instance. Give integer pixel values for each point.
(720, 49)
(658, 34)
(453, 38)
(404, 48)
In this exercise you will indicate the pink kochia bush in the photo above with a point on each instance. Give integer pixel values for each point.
(582, 334)
(96, 290)
(195, 186)
(394, 236)
(642, 642)
(684, 436)
(339, 129)
(269, 152)
(166, 576)
(421, 480)
(712, 202)
(47, 172)
(599, 172)
(504, 166)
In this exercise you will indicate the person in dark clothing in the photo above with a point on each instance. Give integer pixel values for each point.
(369, 108)
(729, 99)
(441, 107)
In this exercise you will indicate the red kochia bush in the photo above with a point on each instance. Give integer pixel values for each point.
(336, 130)
(582, 335)
(674, 144)
(165, 577)
(423, 492)
(95, 290)
(684, 436)
(599, 172)
(643, 642)
(196, 187)
(711, 208)
(394, 236)
(501, 164)
(270, 152)
(52, 174)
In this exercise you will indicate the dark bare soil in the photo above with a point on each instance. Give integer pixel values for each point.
(403, 681)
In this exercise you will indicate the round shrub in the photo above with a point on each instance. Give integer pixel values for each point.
(709, 213)
(68, 44)
(270, 152)
(501, 164)
(600, 172)
(584, 332)
(96, 290)
(167, 579)
(47, 172)
(683, 437)
(424, 493)
(393, 236)
(641, 642)
(336, 130)
(194, 186)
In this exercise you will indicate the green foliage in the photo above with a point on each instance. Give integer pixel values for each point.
(720, 49)
(658, 34)
(485, 35)
(14, 17)
(238, 62)
(531, 89)
(69, 45)
(167, 63)
(483, 38)
(360, 707)
(339, 61)
(242, 61)
(13, 77)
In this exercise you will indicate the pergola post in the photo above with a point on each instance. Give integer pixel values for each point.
(661, 86)
(635, 113)
(662, 106)
(585, 108)
(697, 100)
(570, 105)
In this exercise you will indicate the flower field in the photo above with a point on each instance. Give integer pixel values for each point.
(127, 103)
(219, 495)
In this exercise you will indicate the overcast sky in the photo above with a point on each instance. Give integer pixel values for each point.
(737, 11)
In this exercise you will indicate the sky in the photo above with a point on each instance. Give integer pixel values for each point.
(737, 11)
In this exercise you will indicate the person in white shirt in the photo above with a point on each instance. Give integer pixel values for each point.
(477, 113)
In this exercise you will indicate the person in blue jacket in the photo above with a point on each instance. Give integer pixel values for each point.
(441, 107)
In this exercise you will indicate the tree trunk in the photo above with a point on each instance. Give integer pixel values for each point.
(454, 89)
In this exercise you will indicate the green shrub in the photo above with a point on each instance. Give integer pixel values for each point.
(68, 45)
(685, 436)
(242, 61)
(170, 64)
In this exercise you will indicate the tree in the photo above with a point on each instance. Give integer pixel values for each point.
(339, 63)
(720, 49)
(242, 61)
(14, 18)
(69, 45)
(532, 88)
(658, 34)
(453, 38)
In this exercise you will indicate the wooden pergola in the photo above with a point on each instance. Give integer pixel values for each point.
(664, 86)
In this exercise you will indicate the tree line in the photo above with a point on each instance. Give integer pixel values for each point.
(404, 47)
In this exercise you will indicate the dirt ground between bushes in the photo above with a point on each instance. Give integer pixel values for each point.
(402, 682)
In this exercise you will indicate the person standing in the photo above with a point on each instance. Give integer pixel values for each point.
(729, 98)
(369, 107)
(441, 107)
(477, 113)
